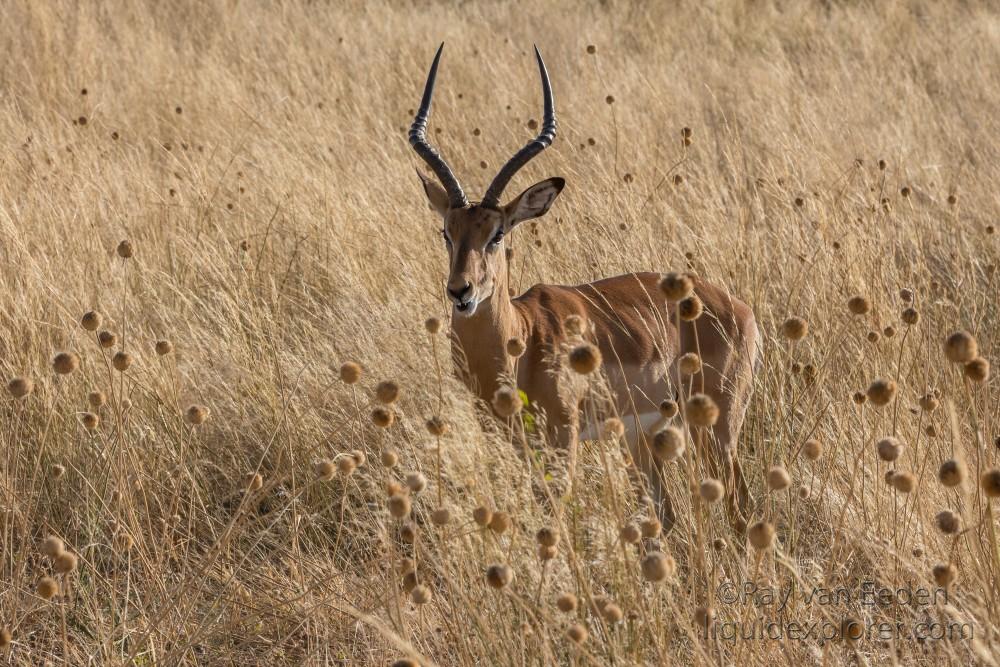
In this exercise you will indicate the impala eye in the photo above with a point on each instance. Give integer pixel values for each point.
(497, 238)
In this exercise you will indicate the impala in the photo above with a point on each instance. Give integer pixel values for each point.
(626, 317)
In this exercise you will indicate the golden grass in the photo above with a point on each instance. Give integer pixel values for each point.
(255, 160)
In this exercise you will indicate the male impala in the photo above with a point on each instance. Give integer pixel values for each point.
(625, 316)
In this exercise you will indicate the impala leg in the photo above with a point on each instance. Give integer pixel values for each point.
(731, 388)
(653, 471)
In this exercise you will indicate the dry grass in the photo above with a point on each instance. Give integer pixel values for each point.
(256, 161)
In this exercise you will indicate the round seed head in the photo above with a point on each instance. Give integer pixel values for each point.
(650, 528)
(960, 347)
(482, 515)
(668, 444)
(433, 325)
(928, 402)
(668, 409)
(548, 537)
(253, 481)
(516, 347)
(421, 594)
(577, 633)
(359, 457)
(506, 402)
(163, 348)
(46, 588)
(889, 448)
(65, 363)
(948, 522)
(121, 361)
(881, 391)
(125, 250)
(500, 522)
(389, 458)
(585, 358)
(794, 328)
(57, 471)
(812, 449)
(566, 603)
(977, 370)
(711, 490)
(991, 482)
(91, 320)
(910, 316)
(851, 630)
(612, 613)
(325, 470)
(658, 566)
(676, 286)
(859, 305)
(90, 421)
(387, 392)
(951, 473)
(346, 465)
(20, 387)
(441, 516)
(52, 546)
(383, 417)
(499, 575)
(903, 481)
(690, 308)
(546, 552)
(703, 616)
(196, 415)
(689, 363)
(410, 581)
(436, 426)
(591, 49)
(96, 399)
(107, 339)
(761, 535)
(350, 372)
(944, 574)
(701, 411)
(64, 562)
(416, 481)
(778, 479)
(398, 505)
(629, 534)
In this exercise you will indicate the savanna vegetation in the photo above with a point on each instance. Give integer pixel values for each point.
(230, 428)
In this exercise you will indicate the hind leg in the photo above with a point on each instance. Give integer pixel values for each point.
(729, 381)
(649, 482)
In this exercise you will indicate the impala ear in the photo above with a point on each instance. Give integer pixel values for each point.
(533, 202)
(436, 195)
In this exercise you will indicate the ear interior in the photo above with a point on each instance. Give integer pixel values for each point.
(535, 201)
(436, 195)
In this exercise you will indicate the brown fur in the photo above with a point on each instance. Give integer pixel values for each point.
(626, 317)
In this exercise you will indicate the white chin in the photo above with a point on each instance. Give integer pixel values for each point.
(467, 311)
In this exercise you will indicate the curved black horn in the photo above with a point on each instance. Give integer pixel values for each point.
(418, 139)
(533, 148)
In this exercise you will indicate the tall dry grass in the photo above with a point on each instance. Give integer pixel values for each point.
(256, 161)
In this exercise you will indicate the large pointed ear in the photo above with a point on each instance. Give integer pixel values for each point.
(533, 202)
(435, 194)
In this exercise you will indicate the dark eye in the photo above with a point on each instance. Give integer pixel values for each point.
(497, 238)
(444, 235)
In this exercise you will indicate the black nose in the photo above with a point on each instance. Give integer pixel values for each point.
(460, 293)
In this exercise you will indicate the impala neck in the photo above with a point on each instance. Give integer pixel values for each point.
(480, 340)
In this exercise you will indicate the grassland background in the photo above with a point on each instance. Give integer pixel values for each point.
(262, 174)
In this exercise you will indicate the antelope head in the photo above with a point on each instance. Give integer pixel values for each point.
(474, 231)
